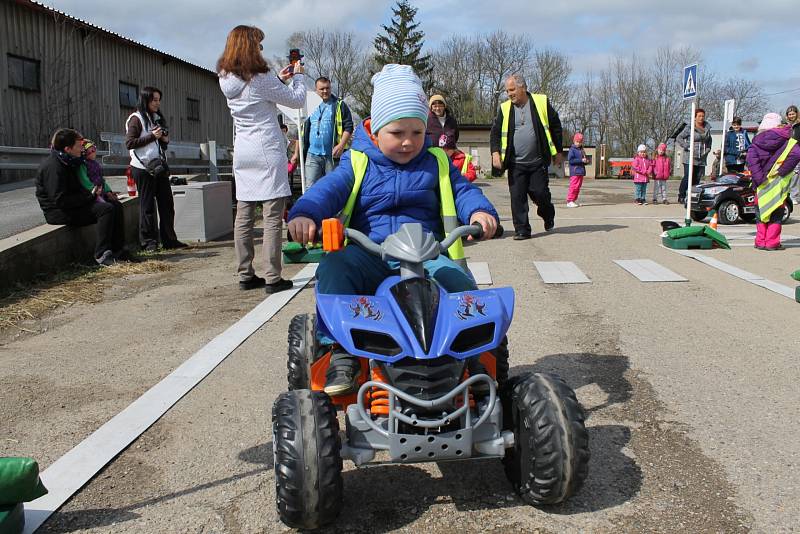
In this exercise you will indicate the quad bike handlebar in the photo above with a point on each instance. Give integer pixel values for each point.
(475, 230)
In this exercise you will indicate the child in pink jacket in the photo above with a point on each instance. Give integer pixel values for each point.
(642, 170)
(662, 168)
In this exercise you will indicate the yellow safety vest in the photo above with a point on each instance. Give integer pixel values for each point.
(359, 161)
(465, 167)
(773, 191)
(540, 102)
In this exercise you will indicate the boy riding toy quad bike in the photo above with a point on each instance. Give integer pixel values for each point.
(418, 400)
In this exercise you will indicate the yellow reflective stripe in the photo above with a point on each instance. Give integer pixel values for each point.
(465, 167)
(359, 162)
(449, 216)
(540, 101)
(339, 125)
(773, 191)
(505, 109)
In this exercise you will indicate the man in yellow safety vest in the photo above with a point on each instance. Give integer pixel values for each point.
(525, 138)
(326, 133)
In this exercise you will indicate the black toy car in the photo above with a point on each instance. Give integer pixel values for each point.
(732, 196)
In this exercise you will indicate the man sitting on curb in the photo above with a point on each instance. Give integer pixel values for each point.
(64, 200)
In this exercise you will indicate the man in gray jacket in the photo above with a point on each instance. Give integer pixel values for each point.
(702, 146)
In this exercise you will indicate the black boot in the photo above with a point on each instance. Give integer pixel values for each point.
(342, 375)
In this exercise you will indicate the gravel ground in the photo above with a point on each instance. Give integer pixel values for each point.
(689, 400)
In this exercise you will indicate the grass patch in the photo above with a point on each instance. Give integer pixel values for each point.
(79, 283)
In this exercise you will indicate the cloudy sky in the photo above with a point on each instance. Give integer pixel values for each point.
(758, 40)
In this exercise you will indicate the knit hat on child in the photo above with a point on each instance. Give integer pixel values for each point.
(662, 147)
(641, 148)
(770, 121)
(577, 138)
(397, 95)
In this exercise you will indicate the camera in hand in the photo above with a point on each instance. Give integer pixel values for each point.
(294, 57)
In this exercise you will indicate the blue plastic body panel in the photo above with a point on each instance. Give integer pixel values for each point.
(339, 314)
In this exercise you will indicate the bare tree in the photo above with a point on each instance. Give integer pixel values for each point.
(501, 55)
(549, 74)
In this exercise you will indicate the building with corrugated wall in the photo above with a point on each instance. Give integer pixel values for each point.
(59, 71)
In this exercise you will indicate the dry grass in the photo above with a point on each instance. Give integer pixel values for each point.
(80, 284)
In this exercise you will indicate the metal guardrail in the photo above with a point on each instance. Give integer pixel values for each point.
(191, 157)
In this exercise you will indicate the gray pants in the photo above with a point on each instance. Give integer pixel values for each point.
(794, 187)
(317, 167)
(659, 190)
(243, 238)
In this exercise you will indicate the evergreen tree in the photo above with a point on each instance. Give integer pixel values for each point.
(402, 42)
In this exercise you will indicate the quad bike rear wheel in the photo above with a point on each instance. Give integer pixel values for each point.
(302, 350)
(549, 460)
(308, 463)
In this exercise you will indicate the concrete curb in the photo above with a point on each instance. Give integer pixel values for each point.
(49, 248)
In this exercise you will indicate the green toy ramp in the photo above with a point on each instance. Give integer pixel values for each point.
(12, 518)
(694, 237)
(19, 481)
(297, 253)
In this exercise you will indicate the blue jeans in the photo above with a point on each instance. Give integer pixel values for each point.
(317, 167)
(640, 191)
(354, 271)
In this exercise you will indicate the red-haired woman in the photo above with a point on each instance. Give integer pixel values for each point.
(259, 155)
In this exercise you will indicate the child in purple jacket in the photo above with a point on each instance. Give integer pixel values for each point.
(577, 169)
(772, 157)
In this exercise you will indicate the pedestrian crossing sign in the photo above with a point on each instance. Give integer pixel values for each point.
(690, 81)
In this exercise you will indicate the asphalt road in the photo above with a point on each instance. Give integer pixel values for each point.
(19, 210)
(690, 390)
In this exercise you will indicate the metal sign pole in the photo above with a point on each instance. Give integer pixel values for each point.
(688, 219)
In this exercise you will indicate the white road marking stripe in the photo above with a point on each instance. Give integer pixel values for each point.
(755, 279)
(649, 271)
(560, 272)
(70, 472)
(480, 271)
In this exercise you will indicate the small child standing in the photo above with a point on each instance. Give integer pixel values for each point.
(577, 169)
(662, 168)
(642, 169)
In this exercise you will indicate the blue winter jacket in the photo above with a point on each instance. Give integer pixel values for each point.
(575, 159)
(731, 148)
(391, 194)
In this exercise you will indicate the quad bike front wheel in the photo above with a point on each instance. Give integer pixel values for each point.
(549, 460)
(302, 350)
(308, 463)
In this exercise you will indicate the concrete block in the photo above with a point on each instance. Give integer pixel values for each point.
(50, 248)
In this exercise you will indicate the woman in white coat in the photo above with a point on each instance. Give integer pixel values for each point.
(259, 151)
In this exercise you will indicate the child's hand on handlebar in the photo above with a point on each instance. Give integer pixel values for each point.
(487, 222)
(303, 230)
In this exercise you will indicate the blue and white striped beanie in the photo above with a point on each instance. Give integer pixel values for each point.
(397, 94)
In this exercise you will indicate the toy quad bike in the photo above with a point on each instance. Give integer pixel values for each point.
(417, 401)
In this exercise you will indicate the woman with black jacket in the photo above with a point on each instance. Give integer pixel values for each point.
(440, 122)
(146, 137)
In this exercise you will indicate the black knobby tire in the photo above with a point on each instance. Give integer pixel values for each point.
(787, 211)
(308, 464)
(729, 212)
(501, 362)
(699, 216)
(550, 457)
(302, 350)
